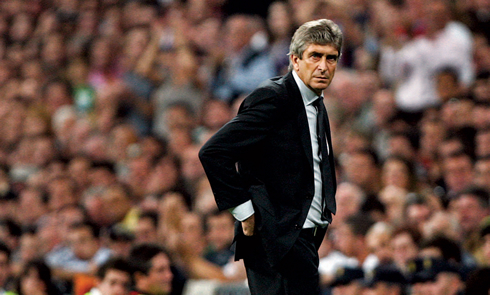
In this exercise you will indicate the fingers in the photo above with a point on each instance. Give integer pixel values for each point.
(248, 226)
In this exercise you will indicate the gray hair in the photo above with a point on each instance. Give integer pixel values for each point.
(321, 32)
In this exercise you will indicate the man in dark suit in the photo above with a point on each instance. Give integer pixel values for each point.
(272, 167)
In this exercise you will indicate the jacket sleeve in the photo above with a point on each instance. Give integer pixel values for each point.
(221, 153)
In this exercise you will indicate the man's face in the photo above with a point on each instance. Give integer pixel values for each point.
(160, 275)
(145, 231)
(360, 169)
(83, 244)
(458, 172)
(486, 247)
(220, 230)
(317, 66)
(115, 282)
(482, 173)
(404, 248)
(469, 212)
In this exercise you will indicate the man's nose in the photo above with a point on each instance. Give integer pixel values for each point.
(323, 65)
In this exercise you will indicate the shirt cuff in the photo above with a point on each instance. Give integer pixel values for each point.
(243, 211)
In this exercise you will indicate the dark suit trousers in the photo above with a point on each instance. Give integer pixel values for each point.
(296, 274)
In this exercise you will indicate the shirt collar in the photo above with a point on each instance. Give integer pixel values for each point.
(306, 93)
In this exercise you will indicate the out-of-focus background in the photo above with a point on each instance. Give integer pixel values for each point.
(104, 105)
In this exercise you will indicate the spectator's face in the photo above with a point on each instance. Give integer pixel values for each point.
(395, 173)
(57, 95)
(192, 169)
(220, 230)
(160, 275)
(116, 203)
(380, 245)
(404, 249)
(100, 54)
(163, 177)
(66, 218)
(486, 247)
(417, 213)
(441, 222)
(61, 193)
(215, 114)
(21, 28)
(458, 172)
(83, 244)
(437, 14)
(115, 282)
(483, 143)
(317, 66)
(383, 105)
(360, 169)
(145, 231)
(31, 206)
(178, 117)
(35, 125)
(237, 33)
(447, 87)
(432, 136)
(400, 145)
(457, 113)
(31, 283)
(469, 212)
(79, 168)
(4, 268)
(44, 151)
(349, 201)
(279, 20)
(481, 116)
(29, 247)
(192, 228)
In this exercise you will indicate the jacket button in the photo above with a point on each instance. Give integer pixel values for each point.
(296, 226)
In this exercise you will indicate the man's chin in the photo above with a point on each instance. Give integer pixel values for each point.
(319, 87)
(160, 290)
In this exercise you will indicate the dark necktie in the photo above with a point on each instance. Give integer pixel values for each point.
(326, 161)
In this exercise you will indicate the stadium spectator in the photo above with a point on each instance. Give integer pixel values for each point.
(114, 277)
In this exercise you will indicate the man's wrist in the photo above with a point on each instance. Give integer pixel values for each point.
(242, 211)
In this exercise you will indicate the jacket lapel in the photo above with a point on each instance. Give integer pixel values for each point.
(302, 120)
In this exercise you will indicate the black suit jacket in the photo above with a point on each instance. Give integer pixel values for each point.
(264, 154)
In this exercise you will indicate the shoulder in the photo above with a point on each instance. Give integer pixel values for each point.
(277, 89)
(278, 83)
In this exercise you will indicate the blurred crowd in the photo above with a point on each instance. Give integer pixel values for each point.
(104, 105)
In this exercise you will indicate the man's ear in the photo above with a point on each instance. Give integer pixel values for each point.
(294, 61)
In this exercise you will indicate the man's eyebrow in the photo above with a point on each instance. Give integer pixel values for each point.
(325, 54)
